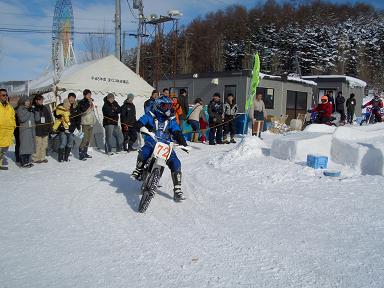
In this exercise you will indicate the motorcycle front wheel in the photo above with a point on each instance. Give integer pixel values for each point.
(149, 189)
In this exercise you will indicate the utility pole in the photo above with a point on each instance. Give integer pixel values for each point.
(118, 30)
(174, 72)
(139, 34)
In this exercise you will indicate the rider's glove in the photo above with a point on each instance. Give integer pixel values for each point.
(146, 131)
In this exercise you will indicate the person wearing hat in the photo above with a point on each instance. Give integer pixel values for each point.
(113, 135)
(377, 104)
(128, 120)
(324, 110)
(7, 126)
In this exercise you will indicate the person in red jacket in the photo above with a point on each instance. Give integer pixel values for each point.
(377, 104)
(324, 110)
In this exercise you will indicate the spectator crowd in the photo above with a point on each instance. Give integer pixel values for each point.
(33, 127)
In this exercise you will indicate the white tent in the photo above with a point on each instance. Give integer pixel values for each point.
(102, 76)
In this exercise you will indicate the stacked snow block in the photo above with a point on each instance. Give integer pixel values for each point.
(317, 161)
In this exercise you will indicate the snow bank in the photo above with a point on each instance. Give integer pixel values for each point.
(249, 148)
(360, 148)
(320, 128)
(297, 146)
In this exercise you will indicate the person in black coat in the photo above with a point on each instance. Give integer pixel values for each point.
(183, 102)
(128, 120)
(43, 120)
(351, 105)
(331, 100)
(111, 111)
(340, 106)
(151, 101)
(215, 112)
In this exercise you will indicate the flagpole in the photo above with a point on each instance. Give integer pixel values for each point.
(255, 80)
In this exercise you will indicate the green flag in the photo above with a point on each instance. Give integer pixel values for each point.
(254, 82)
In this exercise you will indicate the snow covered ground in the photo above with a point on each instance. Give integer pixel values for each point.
(250, 220)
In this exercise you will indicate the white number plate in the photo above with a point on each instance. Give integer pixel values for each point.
(162, 151)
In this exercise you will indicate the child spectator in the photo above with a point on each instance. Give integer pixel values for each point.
(63, 116)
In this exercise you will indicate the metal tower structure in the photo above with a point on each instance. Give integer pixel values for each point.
(62, 37)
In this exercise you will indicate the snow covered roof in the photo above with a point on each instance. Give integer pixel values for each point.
(289, 78)
(353, 82)
(105, 75)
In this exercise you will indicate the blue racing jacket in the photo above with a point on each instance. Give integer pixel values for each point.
(164, 129)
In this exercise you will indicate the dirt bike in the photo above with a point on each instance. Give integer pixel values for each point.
(369, 117)
(153, 170)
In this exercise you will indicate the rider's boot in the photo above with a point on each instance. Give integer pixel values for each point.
(177, 193)
(138, 172)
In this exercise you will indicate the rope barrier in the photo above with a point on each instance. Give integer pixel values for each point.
(42, 124)
(124, 124)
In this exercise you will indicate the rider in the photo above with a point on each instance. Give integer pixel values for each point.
(324, 110)
(377, 104)
(161, 124)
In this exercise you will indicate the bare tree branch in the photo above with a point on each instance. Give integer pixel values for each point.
(96, 46)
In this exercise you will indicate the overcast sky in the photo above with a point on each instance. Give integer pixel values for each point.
(26, 55)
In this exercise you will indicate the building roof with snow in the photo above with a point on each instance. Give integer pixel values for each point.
(353, 82)
(245, 73)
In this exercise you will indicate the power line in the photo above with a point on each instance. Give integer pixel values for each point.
(37, 26)
(41, 31)
(131, 10)
(48, 16)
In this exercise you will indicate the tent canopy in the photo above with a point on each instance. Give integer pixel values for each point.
(105, 75)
